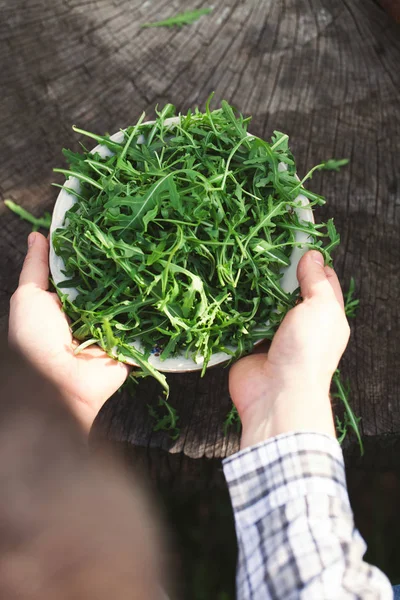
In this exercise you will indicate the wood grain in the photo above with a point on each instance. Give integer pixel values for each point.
(392, 7)
(325, 71)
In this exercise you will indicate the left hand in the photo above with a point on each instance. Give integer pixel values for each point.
(39, 329)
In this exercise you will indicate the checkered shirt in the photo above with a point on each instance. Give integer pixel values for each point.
(294, 525)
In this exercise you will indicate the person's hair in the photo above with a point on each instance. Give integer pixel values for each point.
(71, 526)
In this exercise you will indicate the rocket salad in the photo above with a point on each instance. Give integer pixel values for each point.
(178, 238)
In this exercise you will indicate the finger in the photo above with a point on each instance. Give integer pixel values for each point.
(36, 265)
(334, 281)
(313, 278)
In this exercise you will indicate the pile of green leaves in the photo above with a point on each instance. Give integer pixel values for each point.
(179, 238)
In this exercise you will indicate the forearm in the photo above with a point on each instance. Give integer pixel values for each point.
(294, 523)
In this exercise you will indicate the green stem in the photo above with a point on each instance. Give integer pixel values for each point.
(37, 222)
(341, 394)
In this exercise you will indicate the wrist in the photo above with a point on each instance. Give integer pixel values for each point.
(83, 413)
(288, 409)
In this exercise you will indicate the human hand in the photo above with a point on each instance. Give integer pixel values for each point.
(287, 389)
(39, 329)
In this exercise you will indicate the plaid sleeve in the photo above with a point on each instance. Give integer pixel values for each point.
(294, 524)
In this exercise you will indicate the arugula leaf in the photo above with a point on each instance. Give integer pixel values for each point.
(334, 164)
(166, 418)
(351, 303)
(232, 420)
(185, 18)
(350, 420)
(36, 222)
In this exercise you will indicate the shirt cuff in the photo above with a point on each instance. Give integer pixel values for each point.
(283, 468)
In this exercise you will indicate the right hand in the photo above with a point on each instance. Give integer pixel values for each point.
(288, 388)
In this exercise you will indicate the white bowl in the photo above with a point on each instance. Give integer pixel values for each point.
(180, 363)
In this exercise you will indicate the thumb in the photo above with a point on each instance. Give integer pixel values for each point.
(36, 265)
(313, 278)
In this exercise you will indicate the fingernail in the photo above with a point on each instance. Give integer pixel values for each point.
(31, 239)
(318, 258)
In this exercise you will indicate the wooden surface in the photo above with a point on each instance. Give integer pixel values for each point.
(393, 8)
(324, 71)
